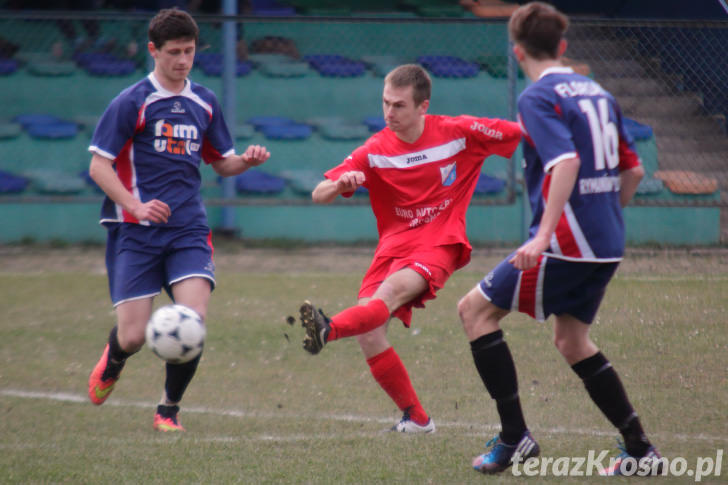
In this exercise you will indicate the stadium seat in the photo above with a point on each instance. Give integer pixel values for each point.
(293, 131)
(650, 186)
(254, 181)
(687, 182)
(638, 130)
(243, 68)
(260, 122)
(334, 65)
(488, 185)
(58, 130)
(51, 68)
(496, 65)
(374, 123)
(11, 183)
(86, 121)
(10, 130)
(86, 177)
(285, 69)
(110, 67)
(302, 181)
(449, 66)
(55, 182)
(36, 119)
(243, 132)
(344, 131)
(8, 66)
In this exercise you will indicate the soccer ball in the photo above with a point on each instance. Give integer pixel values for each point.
(175, 333)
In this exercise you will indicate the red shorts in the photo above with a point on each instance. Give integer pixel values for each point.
(435, 265)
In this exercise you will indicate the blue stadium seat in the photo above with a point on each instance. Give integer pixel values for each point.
(258, 182)
(449, 66)
(294, 131)
(11, 183)
(334, 65)
(374, 123)
(243, 68)
(110, 67)
(8, 66)
(638, 130)
(488, 185)
(260, 122)
(58, 130)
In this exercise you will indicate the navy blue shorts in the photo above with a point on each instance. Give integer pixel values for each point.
(141, 260)
(553, 286)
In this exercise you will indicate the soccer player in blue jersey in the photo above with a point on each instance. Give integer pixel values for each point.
(147, 150)
(580, 169)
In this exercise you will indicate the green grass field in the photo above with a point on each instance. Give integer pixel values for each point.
(261, 410)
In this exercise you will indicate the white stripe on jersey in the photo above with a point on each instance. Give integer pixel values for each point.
(538, 304)
(584, 248)
(162, 93)
(516, 293)
(430, 155)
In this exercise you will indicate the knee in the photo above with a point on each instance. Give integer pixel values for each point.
(373, 343)
(477, 315)
(568, 347)
(131, 341)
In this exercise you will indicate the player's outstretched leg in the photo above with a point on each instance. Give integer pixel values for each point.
(501, 455)
(166, 419)
(317, 327)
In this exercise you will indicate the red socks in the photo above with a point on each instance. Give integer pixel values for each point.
(358, 319)
(389, 371)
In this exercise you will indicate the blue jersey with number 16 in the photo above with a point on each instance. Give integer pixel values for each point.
(565, 115)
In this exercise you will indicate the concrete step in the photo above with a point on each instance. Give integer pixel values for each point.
(617, 68)
(714, 163)
(661, 106)
(600, 49)
(693, 145)
(634, 86)
(694, 126)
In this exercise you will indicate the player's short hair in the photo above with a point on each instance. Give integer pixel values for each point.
(538, 28)
(172, 24)
(411, 75)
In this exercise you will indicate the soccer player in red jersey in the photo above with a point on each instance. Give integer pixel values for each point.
(421, 171)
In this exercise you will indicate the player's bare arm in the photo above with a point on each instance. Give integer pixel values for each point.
(628, 182)
(326, 191)
(563, 178)
(253, 156)
(102, 172)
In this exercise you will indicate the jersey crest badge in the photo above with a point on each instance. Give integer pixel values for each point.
(448, 174)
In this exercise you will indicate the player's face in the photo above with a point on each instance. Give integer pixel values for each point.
(400, 112)
(174, 60)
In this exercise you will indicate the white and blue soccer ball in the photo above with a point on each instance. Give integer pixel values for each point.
(175, 333)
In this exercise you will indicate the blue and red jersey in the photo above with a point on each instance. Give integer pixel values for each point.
(157, 139)
(565, 115)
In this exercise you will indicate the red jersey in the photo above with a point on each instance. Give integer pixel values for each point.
(420, 191)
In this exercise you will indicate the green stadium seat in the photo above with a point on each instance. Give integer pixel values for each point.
(10, 130)
(55, 182)
(51, 68)
(285, 69)
(344, 131)
(243, 131)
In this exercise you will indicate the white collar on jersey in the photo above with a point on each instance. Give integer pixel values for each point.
(556, 70)
(164, 92)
